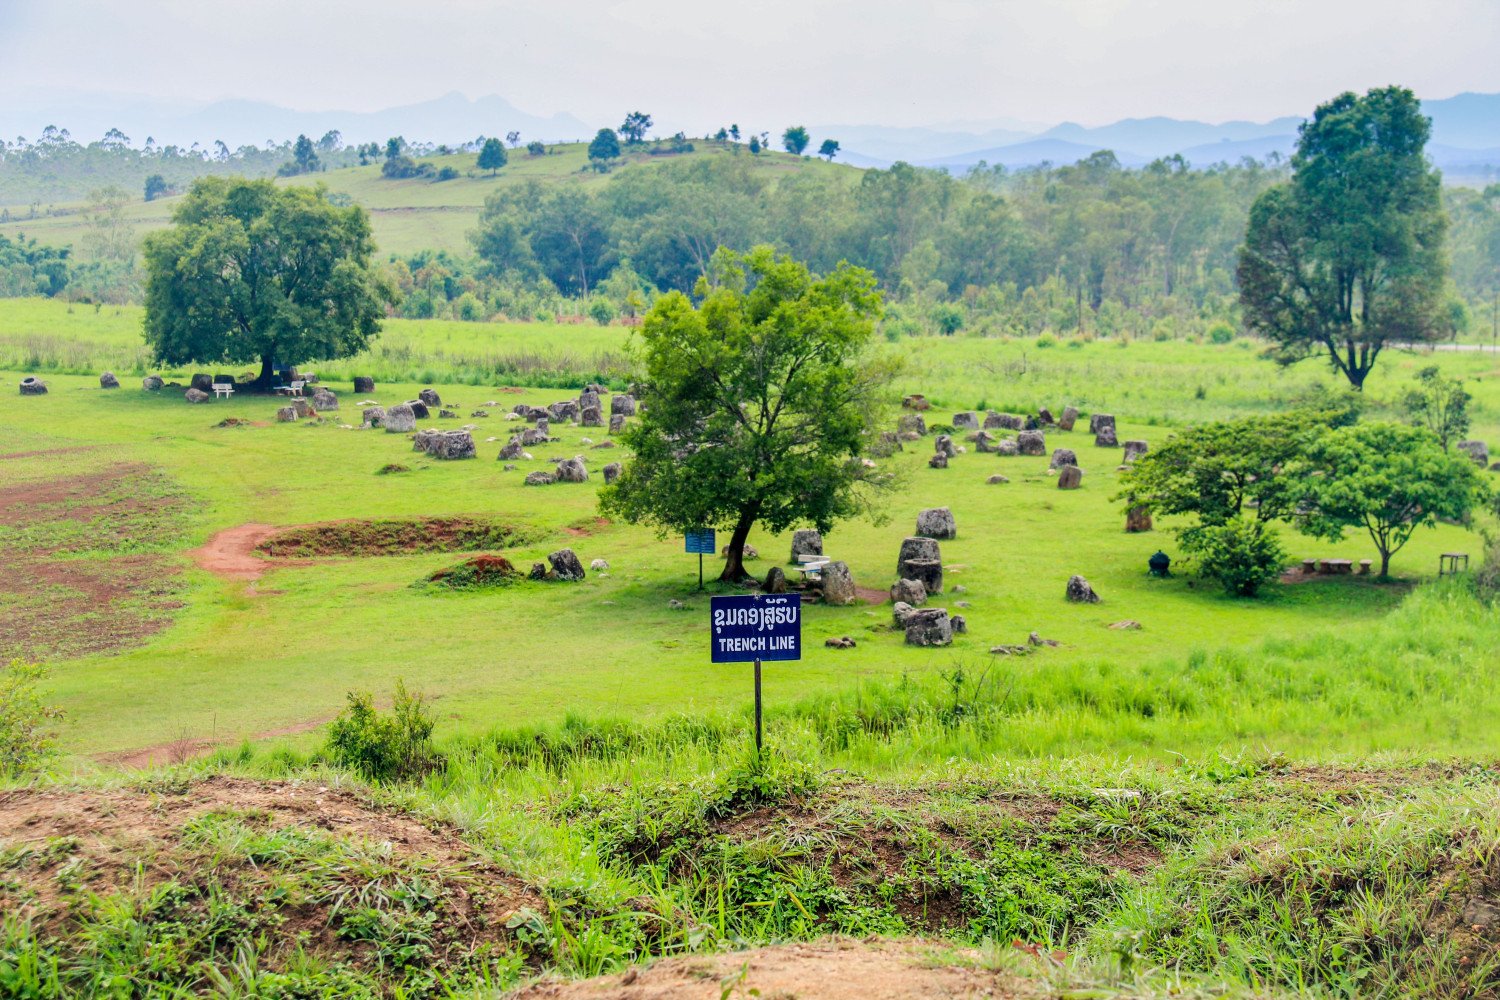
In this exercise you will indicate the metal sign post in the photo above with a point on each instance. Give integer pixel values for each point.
(701, 542)
(753, 628)
(757, 707)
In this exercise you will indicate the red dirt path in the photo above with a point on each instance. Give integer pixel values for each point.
(231, 552)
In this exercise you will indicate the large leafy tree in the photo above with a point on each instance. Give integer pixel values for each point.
(1347, 257)
(571, 239)
(757, 402)
(249, 271)
(673, 218)
(795, 139)
(604, 148)
(1233, 482)
(1388, 480)
(635, 126)
(491, 156)
(304, 156)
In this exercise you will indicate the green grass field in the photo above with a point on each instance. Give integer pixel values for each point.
(1290, 796)
(419, 213)
(241, 659)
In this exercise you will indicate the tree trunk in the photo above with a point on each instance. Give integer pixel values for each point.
(263, 381)
(734, 560)
(1385, 564)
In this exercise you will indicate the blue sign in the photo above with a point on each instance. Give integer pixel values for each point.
(757, 627)
(701, 542)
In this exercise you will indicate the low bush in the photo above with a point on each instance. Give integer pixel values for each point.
(394, 747)
(26, 732)
(1241, 555)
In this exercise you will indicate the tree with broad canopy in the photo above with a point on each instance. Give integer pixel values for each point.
(251, 271)
(757, 403)
(1389, 480)
(1348, 256)
(1234, 479)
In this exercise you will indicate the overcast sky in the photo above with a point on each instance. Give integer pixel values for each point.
(699, 63)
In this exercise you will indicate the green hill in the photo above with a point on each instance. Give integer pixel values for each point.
(422, 213)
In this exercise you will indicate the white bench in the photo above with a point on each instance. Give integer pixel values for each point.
(812, 566)
(223, 390)
(295, 389)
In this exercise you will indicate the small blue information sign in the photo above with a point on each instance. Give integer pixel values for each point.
(700, 542)
(756, 627)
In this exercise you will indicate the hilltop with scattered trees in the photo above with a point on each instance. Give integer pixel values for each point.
(603, 228)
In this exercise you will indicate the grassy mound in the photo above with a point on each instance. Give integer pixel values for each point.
(480, 571)
(1270, 878)
(393, 537)
(244, 888)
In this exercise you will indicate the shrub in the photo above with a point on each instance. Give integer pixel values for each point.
(399, 167)
(536, 148)
(468, 308)
(1239, 554)
(395, 747)
(1220, 332)
(601, 311)
(25, 720)
(1487, 577)
(948, 318)
(1047, 340)
(447, 173)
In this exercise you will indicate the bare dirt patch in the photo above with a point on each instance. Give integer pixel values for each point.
(834, 969)
(120, 496)
(231, 553)
(81, 574)
(76, 607)
(47, 452)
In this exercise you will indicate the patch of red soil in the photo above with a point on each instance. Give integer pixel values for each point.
(833, 969)
(871, 595)
(582, 529)
(73, 498)
(48, 452)
(55, 606)
(77, 607)
(231, 552)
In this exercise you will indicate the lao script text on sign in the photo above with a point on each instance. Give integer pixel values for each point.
(756, 627)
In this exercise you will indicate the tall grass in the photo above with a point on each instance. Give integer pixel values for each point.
(1421, 679)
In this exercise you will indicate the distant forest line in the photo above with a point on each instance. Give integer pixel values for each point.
(1091, 247)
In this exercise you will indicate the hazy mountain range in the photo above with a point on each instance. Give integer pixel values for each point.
(452, 118)
(1465, 140)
